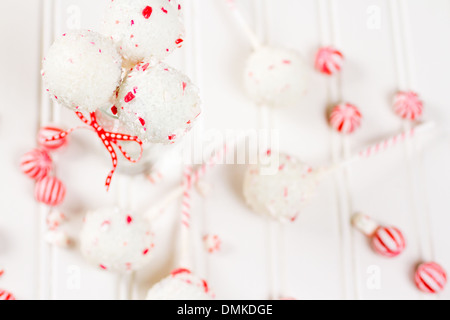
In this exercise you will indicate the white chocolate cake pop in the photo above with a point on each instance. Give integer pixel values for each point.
(180, 285)
(116, 240)
(283, 192)
(82, 71)
(276, 77)
(144, 29)
(158, 104)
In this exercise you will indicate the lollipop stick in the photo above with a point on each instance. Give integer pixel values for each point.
(243, 24)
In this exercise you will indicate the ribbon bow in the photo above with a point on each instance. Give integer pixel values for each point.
(109, 139)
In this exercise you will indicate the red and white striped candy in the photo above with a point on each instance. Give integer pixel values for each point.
(407, 104)
(49, 132)
(50, 191)
(329, 60)
(36, 164)
(345, 118)
(389, 241)
(431, 278)
(5, 295)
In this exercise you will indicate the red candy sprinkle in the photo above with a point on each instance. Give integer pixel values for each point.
(114, 110)
(179, 41)
(129, 97)
(129, 219)
(147, 12)
(142, 121)
(164, 10)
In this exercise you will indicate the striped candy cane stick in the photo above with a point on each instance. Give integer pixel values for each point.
(186, 208)
(377, 148)
(243, 24)
(186, 200)
(384, 145)
(196, 176)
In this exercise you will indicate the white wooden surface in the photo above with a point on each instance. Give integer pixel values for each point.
(389, 45)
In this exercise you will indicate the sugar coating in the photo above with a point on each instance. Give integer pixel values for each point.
(82, 69)
(144, 29)
(276, 77)
(281, 194)
(158, 104)
(180, 285)
(116, 240)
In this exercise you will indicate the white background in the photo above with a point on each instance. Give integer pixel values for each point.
(388, 44)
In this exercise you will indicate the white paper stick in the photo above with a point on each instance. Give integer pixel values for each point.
(243, 24)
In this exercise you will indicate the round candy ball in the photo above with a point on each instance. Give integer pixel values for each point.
(47, 133)
(276, 77)
(345, 118)
(279, 187)
(144, 29)
(116, 240)
(36, 164)
(389, 242)
(82, 71)
(329, 60)
(408, 105)
(431, 278)
(180, 285)
(50, 191)
(158, 104)
(6, 295)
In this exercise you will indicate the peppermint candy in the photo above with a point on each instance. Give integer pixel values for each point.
(386, 241)
(36, 164)
(389, 242)
(431, 278)
(45, 134)
(345, 118)
(5, 295)
(50, 191)
(329, 60)
(408, 105)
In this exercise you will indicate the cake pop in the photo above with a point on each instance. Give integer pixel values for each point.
(116, 240)
(158, 104)
(276, 77)
(144, 29)
(180, 285)
(82, 71)
(283, 194)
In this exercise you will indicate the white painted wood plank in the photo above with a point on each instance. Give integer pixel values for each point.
(18, 125)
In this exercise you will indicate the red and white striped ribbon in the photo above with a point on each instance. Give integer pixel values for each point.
(109, 139)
